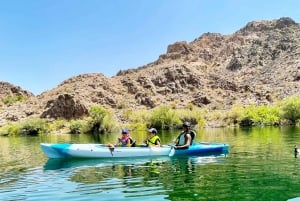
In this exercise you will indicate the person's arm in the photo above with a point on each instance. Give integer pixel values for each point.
(188, 140)
(119, 143)
(128, 142)
(157, 142)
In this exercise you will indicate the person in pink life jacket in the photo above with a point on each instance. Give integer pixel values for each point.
(124, 141)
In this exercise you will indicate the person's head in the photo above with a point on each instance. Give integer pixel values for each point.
(125, 131)
(186, 125)
(152, 131)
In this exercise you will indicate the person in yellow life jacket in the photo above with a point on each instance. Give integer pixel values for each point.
(153, 139)
(186, 137)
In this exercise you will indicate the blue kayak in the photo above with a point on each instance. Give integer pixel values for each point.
(199, 148)
(102, 151)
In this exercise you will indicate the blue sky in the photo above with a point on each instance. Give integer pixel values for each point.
(44, 42)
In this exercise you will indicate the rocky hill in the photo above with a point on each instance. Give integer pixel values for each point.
(258, 64)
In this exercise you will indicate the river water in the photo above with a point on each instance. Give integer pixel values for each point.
(260, 165)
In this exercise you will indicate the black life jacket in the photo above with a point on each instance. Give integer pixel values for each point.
(191, 132)
(193, 135)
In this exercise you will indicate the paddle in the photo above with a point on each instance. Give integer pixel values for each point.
(172, 151)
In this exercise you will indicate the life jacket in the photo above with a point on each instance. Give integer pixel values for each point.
(124, 141)
(181, 137)
(152, 141)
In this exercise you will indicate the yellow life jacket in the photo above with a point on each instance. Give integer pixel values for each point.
(152, 141)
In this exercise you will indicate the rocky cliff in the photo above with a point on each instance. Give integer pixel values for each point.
(258, 64)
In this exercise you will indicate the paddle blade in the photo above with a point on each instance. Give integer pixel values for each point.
(172, 152)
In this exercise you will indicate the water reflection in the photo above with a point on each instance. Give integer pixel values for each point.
(159, 178)
(53, 164)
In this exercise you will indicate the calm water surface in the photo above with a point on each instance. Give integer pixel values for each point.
(259, 166)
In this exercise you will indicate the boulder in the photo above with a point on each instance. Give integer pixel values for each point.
(64, 106)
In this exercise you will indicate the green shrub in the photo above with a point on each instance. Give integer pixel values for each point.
(13, 99)
(137, 116)
(138, 126)
(97, 113)
(234, 115)
(261, 115)
(138, 119)
(290, 109)
(57, 125)
(11, 129)
(33, 126)
(194, 115)
(108, 123)
(101, 120)
(164, 117)
(78, 126)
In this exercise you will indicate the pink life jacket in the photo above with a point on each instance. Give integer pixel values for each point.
(124, 139)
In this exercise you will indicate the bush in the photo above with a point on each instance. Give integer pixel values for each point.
(290, 109)
(137, 116)
(58, 124)
(108, 123)
(138, 119)
(10, 130)
(193, 115)
(13, 99)
(78, 126)
(33, 126)
(163, 117)
(234, 115)
(260, 115)
(101, 121)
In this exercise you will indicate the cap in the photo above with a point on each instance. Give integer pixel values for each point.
(186, 124)
(152, 130)
(125, 131)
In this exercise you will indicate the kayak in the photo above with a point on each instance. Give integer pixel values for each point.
(198, 148)
(102, 151)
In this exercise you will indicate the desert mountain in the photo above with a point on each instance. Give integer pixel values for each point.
(258, 64)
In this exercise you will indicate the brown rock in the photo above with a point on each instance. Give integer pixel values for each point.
(65, 106)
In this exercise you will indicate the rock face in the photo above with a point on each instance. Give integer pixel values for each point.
(7, 89)
(65, 106)
(258, 64)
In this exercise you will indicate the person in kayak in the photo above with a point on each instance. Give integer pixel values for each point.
(153, 139)
(186, 137)
(126, 140)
